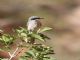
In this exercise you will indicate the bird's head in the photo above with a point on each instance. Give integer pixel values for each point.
(35, 18)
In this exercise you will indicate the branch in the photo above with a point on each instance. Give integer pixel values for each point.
(13, 54)
(19, 52)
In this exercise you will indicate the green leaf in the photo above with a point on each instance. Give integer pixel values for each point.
(30, 54)
(5, 38)
(0, 39)
(37, 36)
(23, 34)
(23, 58)
(21, 30)
(38, 52)
(4, 59)
(44, 29)
(44, 36)
(0, 58)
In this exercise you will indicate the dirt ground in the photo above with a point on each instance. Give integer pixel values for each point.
(66, 46)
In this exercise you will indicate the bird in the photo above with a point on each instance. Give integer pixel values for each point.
(34, 23)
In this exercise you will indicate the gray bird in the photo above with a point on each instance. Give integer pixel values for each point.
(33, 23)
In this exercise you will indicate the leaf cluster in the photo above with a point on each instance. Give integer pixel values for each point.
(6, 39)
(38, 52)
(28, 36)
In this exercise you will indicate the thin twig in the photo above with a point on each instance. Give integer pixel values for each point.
(19, 52)
(13, 55)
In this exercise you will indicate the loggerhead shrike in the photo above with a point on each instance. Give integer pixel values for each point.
(33, 23)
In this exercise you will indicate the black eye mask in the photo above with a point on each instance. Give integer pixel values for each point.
(35, 18)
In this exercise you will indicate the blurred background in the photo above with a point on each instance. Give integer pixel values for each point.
(62, 15)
